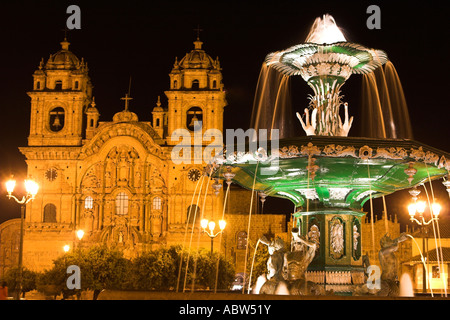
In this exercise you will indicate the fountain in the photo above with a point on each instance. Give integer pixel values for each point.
(328, 175)
(325, 62)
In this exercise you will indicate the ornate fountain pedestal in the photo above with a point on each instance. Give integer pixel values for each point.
(337, 263)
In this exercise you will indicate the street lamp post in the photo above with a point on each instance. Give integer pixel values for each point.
(211, 225)
(418, 207)
(31, 188)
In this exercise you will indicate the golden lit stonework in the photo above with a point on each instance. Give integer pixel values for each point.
(114, 180)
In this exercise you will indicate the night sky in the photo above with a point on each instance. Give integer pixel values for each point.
(140, 39)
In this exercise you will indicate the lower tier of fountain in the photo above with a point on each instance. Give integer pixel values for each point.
(328, 179)
(338, 262)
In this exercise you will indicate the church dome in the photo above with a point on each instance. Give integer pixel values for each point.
(63, 59)
(125, 115)
(197, 58)
(92, 109)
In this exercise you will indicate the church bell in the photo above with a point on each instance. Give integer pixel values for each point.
(56, 123)
(193, 120)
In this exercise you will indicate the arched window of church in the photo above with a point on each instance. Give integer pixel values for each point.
(194, 114)
(193, 211)
(88, 203)
(50, 213)
(122, 203)
(38, 85)
(157, 122)
(76, 85)
(195, 84)
(58, 85)
(214, 85)
(175, 84)
(241, 240)
(56, 120)
(157, 203)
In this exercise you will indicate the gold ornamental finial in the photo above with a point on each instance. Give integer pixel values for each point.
(65, 44)
(198, 30)
(198, 43)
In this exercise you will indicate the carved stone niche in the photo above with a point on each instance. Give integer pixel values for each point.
(337, 238)
(120, 164)
(156, 224)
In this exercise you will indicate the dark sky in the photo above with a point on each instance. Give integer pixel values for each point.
(141, 39)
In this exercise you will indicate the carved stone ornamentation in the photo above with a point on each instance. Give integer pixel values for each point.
(314, 235)
(395, 153)
(410, 171)
(312, 168)
(310, 150)
(339, 151)
(310, 194)
(338, 193)
(336, 238)
(365, 152)
(287, 152)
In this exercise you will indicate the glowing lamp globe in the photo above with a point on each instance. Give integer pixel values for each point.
(31, 187)
(204, 223)
(412, 209)
(211, 226)
(80, 234)
(436, 209)
(10, 185)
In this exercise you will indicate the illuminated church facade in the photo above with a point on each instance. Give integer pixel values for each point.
(116, 180)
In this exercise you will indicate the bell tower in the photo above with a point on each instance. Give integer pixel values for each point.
(62, 90)
(196, 93)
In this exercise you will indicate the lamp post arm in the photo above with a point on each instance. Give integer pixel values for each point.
(211, 235)
(416, 221)
(423, 222)
(25, 199)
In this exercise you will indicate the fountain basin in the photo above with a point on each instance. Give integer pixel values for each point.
(334, 172)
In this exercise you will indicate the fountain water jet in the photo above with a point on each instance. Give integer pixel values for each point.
(272, 104)
(220, 236)
(406, 286)
(385, 112)
(423, 261)
(325, 30)
(200, 181)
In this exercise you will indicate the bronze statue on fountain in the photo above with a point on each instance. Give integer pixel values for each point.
(287, 269)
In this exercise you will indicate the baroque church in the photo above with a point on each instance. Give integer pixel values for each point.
(115, 180)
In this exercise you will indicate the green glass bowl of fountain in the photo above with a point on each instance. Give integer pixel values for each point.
(335, 173)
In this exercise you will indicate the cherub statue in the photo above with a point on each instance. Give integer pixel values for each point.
(301, 255)
(276, 260)
(389, 265)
